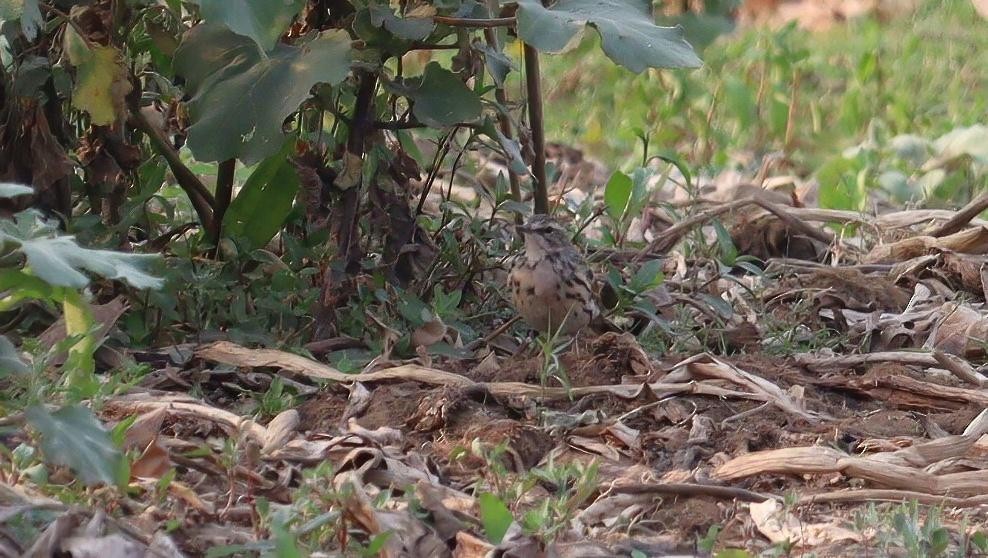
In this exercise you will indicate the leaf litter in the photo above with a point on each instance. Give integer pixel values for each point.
(772, 407)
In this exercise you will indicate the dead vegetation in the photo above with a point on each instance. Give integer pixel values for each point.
(847, 374)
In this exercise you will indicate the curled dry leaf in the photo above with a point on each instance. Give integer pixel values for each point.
(153, 462)
(429, 333)
(781, 526)
(969, 241)
(280, 430)
(470, 546)
(961, 330)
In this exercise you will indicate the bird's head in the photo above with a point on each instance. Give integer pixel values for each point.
(544, 234)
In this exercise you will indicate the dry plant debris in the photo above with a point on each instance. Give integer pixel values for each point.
(858, 382)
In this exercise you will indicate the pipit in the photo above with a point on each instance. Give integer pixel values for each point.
(550, 283)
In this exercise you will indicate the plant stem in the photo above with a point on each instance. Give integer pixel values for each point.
(504, 121)
(202, 201)
(224, 192)
(469, 22)
(363, 121)
(537, 123)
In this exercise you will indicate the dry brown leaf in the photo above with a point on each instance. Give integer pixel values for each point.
(189, 496)
(153, 462)
(968, 241)
(106, 315)
(470, 546)
(780, 526)
(961, 331)
(110, 546)
(429, 333)
(280, 430)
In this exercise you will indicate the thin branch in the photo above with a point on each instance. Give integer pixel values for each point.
(75, 26)
(962, 217)
(503, 120)
(202, 200)
(363, 121)
(537, 123)
(224, 191)
(471, 22)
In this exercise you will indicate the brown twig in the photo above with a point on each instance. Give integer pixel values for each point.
(361, 124)
(686, 489)
(503, 120)
(537, 124)
(224, 192)
(475, 22)
(202, 200)
(963, 217)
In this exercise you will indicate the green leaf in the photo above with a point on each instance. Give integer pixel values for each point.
(20, 286)
(496, 62)
(617, 193)
(60, 261)
(971, 141)
(441, 99)
(261, 207)
(10, 360)
(11, 190)
(241, 97)
(411, 28)
(980, 541)
(649, 275)
(101, 82)
(627, 30)
(728, 252)
(494, 516)
(376, 544)
(72, 436)
(264, 21)
(26, 11)
(839, 187)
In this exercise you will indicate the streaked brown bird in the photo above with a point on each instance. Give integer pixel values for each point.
(550, 283)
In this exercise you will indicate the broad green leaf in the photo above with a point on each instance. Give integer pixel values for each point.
(627, 29)
(411, 28)
(263, 204)
(648, 276)
(73, 437)
(617, 193)
(497, 63)
(728, 252)
(264, 21)
(27, 11)
(494, 516)
(10, 360)
(101, 82)
(60, 262)
(701, 29)
(912, 148)
(11, 190)
(971, 141)
(241, 97)
(19, 286)
(442, 99)
(839, 186)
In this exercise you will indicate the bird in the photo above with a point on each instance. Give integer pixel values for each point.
(550, 283)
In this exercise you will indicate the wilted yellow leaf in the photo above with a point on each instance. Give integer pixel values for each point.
(101, 79)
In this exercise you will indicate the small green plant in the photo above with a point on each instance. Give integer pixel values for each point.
(37, 264)
(915, 531)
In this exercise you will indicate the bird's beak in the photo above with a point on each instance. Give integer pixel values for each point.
(522, 229)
